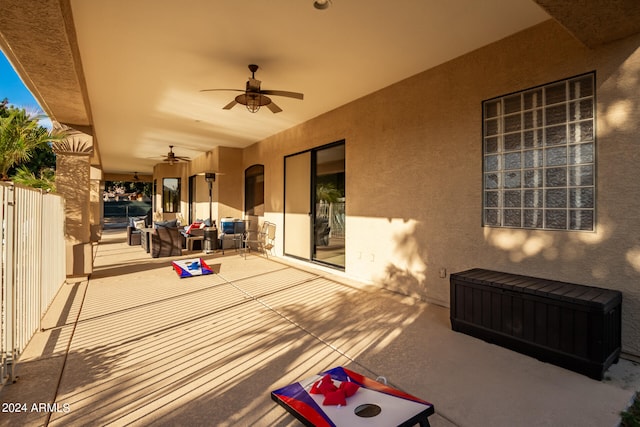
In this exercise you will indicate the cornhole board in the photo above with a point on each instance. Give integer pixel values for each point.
(394, 407)
(191, 267)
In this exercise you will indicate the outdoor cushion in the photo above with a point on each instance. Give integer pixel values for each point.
(134, 219)
(168, 224)
(192, 227)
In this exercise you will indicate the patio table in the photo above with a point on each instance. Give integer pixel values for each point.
(373, 405)
(190, 240)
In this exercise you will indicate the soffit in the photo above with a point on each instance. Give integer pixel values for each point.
(39, 41)
(146, 61)
(596, 22)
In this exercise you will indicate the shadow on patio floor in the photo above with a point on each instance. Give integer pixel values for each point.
(137, 345)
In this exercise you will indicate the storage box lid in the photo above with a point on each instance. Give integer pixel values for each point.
(563, 291)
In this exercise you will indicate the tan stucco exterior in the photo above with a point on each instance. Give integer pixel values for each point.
(414, 173)
(227, 190)
(73, 182)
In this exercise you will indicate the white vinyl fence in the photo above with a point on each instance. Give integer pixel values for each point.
(33, 266)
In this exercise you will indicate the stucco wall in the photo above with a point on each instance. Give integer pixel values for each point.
(414, 173)
(228, 189)
(230, 183)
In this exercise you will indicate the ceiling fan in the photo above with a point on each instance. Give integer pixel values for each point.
(254, 97)
(171, 157)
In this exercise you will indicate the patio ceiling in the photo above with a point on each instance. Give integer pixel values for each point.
(130, 72)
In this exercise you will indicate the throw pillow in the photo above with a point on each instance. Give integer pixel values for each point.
(192, 227)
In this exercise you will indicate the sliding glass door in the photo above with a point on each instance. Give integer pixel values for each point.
(315, 201)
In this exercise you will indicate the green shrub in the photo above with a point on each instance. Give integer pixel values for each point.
(631, 417)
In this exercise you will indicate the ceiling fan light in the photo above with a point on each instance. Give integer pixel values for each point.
(253, 104)
(321, 4)
(253, 101)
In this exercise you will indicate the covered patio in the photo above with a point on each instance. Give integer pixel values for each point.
(136, 345)
(449, 130)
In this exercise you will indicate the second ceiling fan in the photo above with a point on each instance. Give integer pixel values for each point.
(172, 159)
(254, 97)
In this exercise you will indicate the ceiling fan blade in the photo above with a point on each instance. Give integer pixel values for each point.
(182, 158)
(230, 105)
(295, 95)
(214, 90)
(273, 107)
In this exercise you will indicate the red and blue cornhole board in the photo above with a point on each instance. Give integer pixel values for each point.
(397, 408)
(191, 267)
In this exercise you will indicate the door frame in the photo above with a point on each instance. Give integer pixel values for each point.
(311, 211)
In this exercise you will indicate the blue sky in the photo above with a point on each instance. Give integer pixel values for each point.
(12, 88)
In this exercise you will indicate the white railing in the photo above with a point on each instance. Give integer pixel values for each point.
(33, 266)
(334, 212)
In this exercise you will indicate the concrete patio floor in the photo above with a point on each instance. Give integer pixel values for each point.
(136, 345)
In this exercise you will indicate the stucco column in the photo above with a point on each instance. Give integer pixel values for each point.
(73, 181)
(96, 186)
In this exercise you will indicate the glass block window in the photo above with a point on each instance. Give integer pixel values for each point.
(539, 157)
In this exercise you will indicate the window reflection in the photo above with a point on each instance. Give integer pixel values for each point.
(330, 202)
(171, 195)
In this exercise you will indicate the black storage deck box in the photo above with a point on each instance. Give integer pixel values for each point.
(574, 326)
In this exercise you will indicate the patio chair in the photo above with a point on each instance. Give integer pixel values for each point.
(166, 241)
(134, 234)
(262, 240)
(254, 239)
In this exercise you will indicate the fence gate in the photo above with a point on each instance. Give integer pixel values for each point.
(32, 266)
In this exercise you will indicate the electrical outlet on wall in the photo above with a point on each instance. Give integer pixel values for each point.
(443, 273)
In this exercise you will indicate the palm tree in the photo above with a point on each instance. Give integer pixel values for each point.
(327, 193)
(46, 180)
(20, 134)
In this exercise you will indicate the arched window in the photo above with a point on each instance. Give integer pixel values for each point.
(254, 190)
